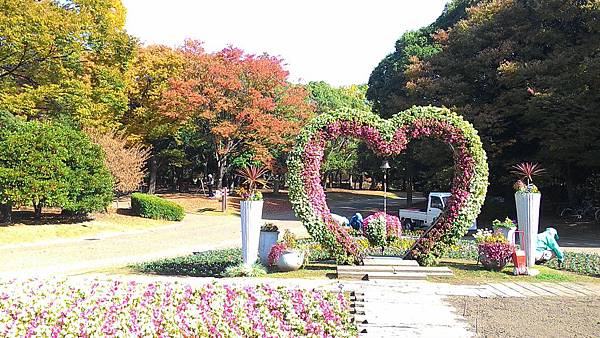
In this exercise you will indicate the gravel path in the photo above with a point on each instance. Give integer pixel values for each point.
(531, 317)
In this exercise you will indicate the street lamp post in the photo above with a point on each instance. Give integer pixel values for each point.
(385, 166)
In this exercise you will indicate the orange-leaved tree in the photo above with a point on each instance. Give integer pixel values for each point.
(243, 103)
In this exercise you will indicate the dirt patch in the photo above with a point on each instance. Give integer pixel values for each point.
(531, 317)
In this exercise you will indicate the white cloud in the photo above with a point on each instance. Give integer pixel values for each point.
(332, 40)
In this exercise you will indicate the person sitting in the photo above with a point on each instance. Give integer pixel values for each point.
(547, 247)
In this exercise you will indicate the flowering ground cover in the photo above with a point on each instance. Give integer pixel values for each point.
(95, 308)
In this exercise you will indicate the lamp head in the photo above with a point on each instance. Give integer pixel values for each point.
(385, 165)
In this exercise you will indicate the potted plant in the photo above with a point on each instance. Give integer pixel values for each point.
(493, 248)
(287, 255)
(376, 232)
(527, 199)
(251, 207)
(506, 227)
(269, 234)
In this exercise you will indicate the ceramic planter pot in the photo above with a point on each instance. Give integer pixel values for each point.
(265, 243)
(251, 215)
(290, 260)
(528, 216)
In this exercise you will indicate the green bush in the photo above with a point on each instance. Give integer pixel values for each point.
(211, 263)
(45, 164)
(150, 206)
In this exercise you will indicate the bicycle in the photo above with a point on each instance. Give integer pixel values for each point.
(571, 213)
(587, 211)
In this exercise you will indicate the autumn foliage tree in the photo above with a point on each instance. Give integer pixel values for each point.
(64, 60)
(126, 162)
(148, 78)
(242, 102)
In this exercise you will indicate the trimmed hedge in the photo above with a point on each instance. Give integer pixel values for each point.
(150, 206)
(212, 263)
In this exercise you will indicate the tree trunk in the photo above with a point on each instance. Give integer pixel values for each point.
(6, 212)
(37, 208)
(153, 173)
(409, 191)
(373, 183)
(350, 181)
(276, 184)
(221, 165)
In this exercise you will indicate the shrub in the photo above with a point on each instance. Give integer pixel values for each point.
(126, 162)
(376, 232)
(392, 223)
(44, 164)
(150, 206)
(211, 263)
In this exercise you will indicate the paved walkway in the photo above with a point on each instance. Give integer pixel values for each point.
(419, 309)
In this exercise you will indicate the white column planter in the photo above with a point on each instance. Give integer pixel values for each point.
(528, 216)
(251, 214)
(266, 241)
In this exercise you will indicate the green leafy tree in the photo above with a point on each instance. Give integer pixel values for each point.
(64, 60)
(387, 83)
(341, 155)
(526, 74)
(42, 164)
(148, 79)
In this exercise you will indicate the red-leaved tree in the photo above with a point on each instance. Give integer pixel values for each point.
(242, 102)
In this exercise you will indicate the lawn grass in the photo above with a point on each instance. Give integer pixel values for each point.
(104, 223)
(314, 270)
(469, 272)
(334, 193)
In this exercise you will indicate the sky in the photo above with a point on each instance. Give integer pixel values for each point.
(336, 41)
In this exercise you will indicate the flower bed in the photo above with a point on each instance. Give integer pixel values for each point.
(53, 308)
(578, 262)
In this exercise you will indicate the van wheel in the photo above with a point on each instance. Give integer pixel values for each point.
(408, 225)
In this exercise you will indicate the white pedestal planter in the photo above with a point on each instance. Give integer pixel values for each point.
(265, 243)
(251, 213)
(528, 216)
(290, 260)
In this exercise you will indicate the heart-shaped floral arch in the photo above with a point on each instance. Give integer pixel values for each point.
(387, 138)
